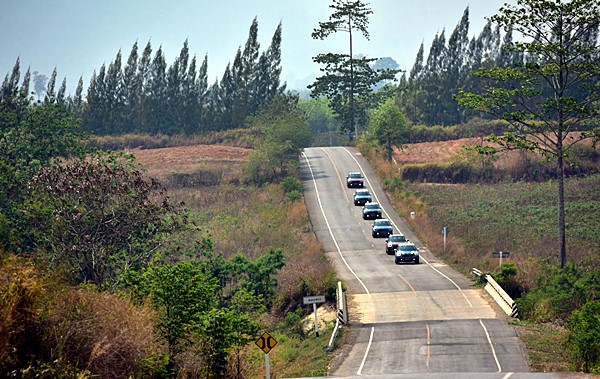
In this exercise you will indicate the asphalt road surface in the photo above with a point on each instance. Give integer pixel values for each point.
(415, 321)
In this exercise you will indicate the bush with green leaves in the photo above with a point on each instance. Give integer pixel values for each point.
(584, 335)
(292, 188)
(286, 133)
(559, 293)
(506, 276)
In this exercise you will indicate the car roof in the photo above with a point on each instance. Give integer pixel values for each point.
(371, 203)
(363, 191)
(382, 220)
(354, 172)
(407, 243)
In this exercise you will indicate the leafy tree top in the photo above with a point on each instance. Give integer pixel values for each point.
(347, 15)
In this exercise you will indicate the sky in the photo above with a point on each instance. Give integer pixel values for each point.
(77, 36)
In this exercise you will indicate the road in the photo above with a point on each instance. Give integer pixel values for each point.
(410, 320)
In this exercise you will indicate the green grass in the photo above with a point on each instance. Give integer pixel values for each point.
(545, 344)
(517, 217)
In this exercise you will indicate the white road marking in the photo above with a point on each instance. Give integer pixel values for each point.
(362, 364)
(491, 345)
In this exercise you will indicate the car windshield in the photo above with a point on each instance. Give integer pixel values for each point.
(372, 206)
(354, 175)
(397, 238)
(407, 248)
(382, 223)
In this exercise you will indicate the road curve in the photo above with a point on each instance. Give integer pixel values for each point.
(420, 320)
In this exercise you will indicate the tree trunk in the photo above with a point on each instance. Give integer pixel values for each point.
(353, 126)
(561, 203)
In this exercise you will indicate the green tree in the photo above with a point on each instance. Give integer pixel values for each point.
(389, 126)
(177, 81)
(210, 302)
(323, 124)
(98, 217)
(433, 77)
(348, 82)
(550, 96)
(454, 73)
(141, 107)
(157, 94)
(269, 71)
(584, 334)
(130, 91)
(286, 133)
(181, 295)
(113, 92)
(31, 137)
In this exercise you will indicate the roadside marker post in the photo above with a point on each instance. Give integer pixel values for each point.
(445, 233)
(314, 300)
(500, 254)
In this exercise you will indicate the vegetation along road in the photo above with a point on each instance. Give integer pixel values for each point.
(421, 319)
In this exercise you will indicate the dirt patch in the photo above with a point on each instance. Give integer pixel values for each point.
(160, 162)
(432, 152)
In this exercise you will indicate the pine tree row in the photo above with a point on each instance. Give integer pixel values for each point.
(146, 95)
(426, 96)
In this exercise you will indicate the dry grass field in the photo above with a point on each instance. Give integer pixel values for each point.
(432, 152)
(163, 161)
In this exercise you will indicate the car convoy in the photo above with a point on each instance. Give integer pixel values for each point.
(395, 243)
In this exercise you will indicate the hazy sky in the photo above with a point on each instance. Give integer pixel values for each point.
(78, 36)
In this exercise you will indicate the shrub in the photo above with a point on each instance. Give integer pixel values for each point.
(454, 172)
(99, 216)
(559, 293)
(584, 334)
(292, 188)
(205, 177)
(290, 183)
(506, 276)
(21, 295)
(106, 334)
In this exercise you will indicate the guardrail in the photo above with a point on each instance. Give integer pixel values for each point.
(342, 313)
(505, 302)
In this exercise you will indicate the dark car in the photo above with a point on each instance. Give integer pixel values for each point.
(361, 197)
(371, 210)
(382, 228)
(391, 244)
(355, 179)
(407, 252)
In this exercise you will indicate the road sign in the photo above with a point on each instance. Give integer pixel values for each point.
(266, 342)
(313, 299)
(500, 254)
